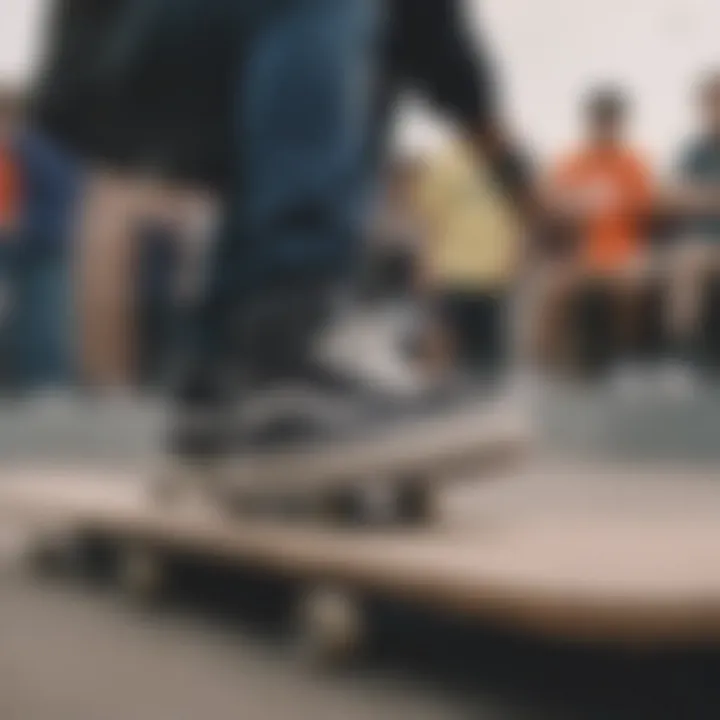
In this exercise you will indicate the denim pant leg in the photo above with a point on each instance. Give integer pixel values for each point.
(8, 313)
(44, 317)
(301, 129)
(303, 124)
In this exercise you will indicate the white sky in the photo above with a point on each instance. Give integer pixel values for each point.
(19, 23)
(549, 50)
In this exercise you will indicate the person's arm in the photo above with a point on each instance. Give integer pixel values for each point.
(433, 51)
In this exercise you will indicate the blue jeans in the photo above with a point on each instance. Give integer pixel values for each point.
(302, 128)
(36, 327)
(46, 319)
(8, 274)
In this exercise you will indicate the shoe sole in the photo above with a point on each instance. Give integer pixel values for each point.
(429, 452)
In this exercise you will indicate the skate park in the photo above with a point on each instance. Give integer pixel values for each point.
(573, 577)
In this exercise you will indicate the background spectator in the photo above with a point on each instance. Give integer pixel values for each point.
(39, 192)
(9, 231)
(601, 196)
(471, 257)
(696, 258)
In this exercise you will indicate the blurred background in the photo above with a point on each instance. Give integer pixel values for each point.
(655, 53)
(616, 278)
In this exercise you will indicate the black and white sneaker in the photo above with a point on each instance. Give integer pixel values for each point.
(321, 412)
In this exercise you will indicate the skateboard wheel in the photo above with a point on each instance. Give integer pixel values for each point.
(48, 555)
(374, 504)
(141, 573)
(330, 627)
(346, 505)
(415, 502)
(407, 502)
(61, 555)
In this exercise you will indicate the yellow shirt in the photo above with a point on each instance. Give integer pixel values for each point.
(473, 235)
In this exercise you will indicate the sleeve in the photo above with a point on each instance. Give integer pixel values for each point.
(432, 50)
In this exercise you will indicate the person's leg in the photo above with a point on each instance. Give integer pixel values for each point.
(651, 339)
(498, 351)
(301, 130)
(476, 332)
(46, 318)
(709, 324)
(592, 327)
(437, 343)
(689, 269)
(295, 211)
(546, 335)
(630, 286)
(8, 311)
(459, 320)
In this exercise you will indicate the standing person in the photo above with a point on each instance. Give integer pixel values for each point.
(10, 206)
(472, 258)
(51, 189)
(297, 129)
(39, 189)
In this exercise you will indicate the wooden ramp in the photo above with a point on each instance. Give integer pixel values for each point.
(579, 553)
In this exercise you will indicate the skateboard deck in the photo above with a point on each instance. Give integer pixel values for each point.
(548, 553)
(402, 467)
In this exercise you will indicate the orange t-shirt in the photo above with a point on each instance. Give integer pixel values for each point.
(613, 189)
(9, 189)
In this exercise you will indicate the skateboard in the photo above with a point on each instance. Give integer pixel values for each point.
(390, 478)
(546, 558)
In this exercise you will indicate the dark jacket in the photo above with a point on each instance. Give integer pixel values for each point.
(428, 48)
(167, 104)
